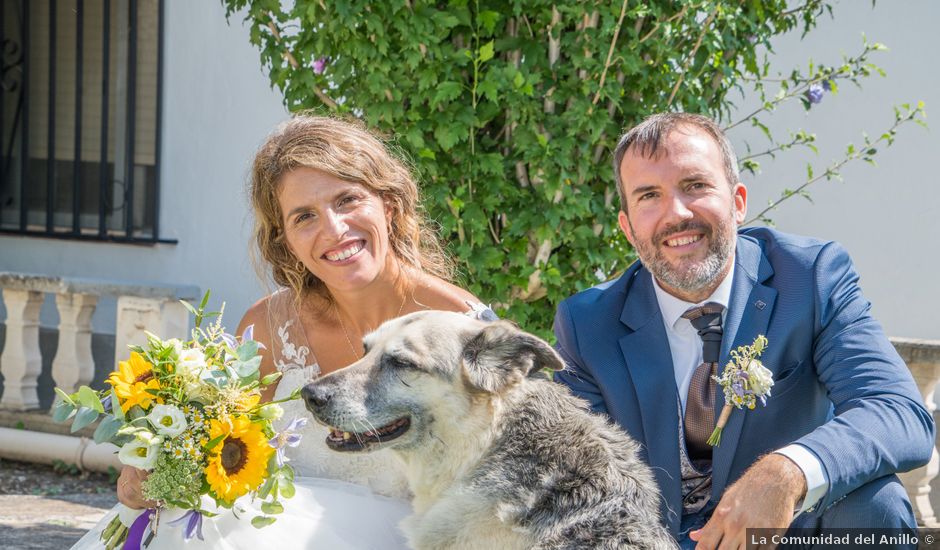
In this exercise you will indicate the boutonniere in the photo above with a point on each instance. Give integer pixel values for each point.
(744, 381)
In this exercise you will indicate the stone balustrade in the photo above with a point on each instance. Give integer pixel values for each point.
(923, 359)
(140, 306)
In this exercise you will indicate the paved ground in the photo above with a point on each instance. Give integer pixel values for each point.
(45, 507)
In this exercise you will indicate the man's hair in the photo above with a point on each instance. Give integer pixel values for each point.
(648, 136)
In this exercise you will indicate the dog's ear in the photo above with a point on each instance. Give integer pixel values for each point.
(500, 355)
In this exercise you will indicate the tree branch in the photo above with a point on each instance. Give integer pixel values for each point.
(610, 53)
(688, 60)
(293, 63)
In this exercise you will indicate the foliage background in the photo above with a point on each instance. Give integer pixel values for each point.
(509, 111)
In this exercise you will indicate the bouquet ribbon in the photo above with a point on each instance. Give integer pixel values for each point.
(136, 533)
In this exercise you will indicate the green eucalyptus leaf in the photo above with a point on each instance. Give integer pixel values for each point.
(83, 418)
(107, 429)
(262, 521)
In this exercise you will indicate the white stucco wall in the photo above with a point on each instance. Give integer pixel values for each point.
(888, 216)
(217, 108)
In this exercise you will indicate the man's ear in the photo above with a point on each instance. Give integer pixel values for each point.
(624, 224)
(740, 202)
(501, 355)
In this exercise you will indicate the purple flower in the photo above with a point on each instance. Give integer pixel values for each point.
(229, 340)
(249, 335)
(193, 527)
(814, 94)
(738, 388)
(290, 437)
(319, 65)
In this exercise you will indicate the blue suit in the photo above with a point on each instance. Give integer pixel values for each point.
(840, 388)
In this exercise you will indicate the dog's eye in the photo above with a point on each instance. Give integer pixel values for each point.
(365, 347)
(396, 362)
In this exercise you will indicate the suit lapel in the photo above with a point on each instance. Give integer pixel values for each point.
(649, 364)
(749, 312)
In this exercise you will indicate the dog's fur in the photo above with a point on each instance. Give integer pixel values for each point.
(497, 455)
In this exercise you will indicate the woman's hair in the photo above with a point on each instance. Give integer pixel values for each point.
(346, 150)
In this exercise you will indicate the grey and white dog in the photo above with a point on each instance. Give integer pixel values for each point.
(496, 455)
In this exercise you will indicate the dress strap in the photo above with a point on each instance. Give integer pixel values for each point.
(289, 346)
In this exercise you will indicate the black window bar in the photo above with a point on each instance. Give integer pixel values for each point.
(109, 189)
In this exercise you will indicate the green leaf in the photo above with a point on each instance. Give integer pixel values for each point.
(270, 378)
(213, 443)
(287, 489)
(446, 91)
(247, 350)
(83, 418)
(107, 429)
(272, 507)
(262, 521)
(88, 397)
(488, 19)
(65, 397)
(486, 52)
(446, 136)
(62, 411)
(116, 409)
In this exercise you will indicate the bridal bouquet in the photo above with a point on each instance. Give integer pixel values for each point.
(189, 413)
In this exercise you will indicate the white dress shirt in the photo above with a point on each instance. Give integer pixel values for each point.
(685, 345)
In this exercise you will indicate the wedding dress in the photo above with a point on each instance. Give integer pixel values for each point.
(343, 500)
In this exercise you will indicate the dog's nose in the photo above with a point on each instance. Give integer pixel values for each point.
(314, 397)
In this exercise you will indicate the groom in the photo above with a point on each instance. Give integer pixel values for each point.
(844, 415)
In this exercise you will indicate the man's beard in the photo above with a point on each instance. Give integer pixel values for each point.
(690, 276)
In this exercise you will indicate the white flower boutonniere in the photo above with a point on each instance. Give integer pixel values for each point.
(744, 381)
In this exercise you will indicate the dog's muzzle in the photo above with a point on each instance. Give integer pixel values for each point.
(316, 398)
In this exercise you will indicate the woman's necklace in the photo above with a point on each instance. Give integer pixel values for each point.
(346, 333)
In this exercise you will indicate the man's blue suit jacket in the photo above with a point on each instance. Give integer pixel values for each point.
(840, 388)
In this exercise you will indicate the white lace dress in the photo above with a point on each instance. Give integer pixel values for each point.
(343, 500)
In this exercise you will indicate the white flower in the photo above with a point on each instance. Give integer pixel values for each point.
(191, 361)
(168, 420)
(759, 378)
(177, 346)
(271, 411)
(140, 454)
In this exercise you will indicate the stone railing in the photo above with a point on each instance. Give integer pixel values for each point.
(140, 307)
(923, 358)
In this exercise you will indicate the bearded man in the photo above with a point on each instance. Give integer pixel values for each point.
(844, 414)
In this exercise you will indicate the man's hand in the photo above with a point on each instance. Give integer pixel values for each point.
(129, 489)
(764, 497)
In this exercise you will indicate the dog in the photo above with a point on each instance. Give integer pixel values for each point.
(497, 455)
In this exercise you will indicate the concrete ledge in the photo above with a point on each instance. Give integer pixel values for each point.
(98, 287)
(915, 350)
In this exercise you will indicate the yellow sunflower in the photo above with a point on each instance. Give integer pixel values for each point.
(131, 382)
(239, 462)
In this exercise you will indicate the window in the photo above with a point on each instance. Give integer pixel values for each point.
(79, 118)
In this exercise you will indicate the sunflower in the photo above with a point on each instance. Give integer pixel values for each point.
(131, 382)
(239, 462)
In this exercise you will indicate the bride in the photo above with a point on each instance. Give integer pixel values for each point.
(337, 223)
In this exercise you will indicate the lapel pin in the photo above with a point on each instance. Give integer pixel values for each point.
(759, 304)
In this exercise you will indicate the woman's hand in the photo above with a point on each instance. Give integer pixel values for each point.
(130, 489)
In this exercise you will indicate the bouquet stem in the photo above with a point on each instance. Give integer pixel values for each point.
(715, 439)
